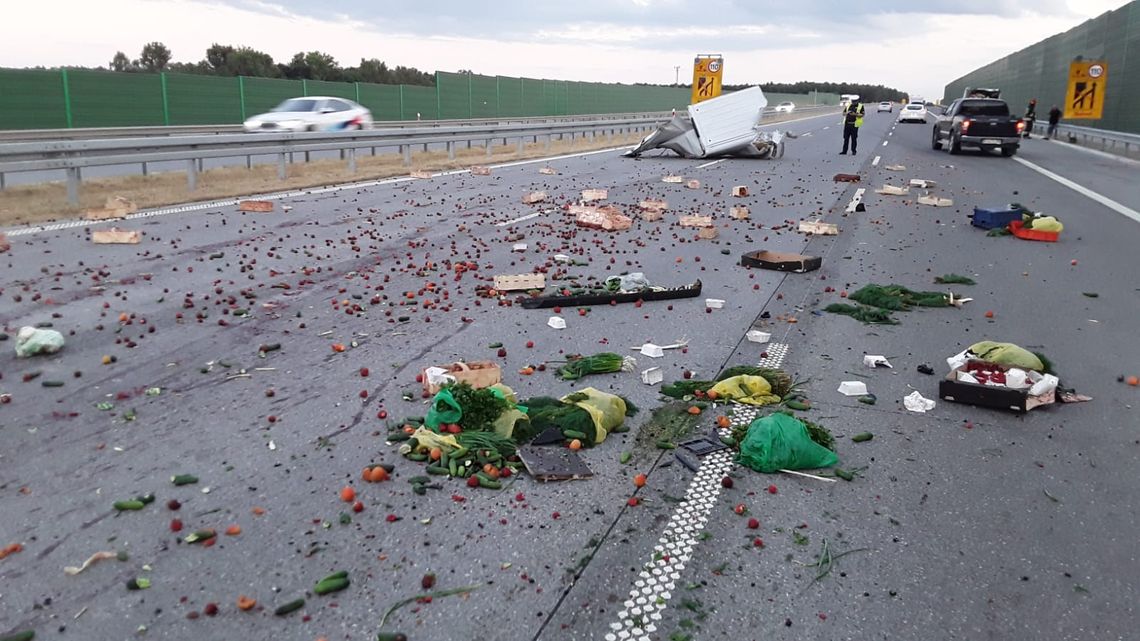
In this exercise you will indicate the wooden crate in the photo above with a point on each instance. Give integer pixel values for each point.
(116, 236)
(819, 228)
(534, 197)
(739, 212)
(255, 205)
(590, 195)
(740, 191)
(477, 374)
(696, 221)
(707, 233)
(513, 282)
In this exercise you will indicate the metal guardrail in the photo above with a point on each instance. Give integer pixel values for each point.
(93, 133)
(71, 156)
(1120, 143)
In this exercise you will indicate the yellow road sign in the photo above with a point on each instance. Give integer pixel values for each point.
(1085, 96)
(707, 73)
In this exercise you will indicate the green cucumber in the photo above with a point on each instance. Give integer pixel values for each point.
(438, 470)
(490, 484)
(862, 437)
(146, 499)
(416, 456)
(666, 445)
(728, 441)
(291, 606)
(419, 489)
(574, 434)
(384, 636)
(330, 585)
(28, 635)
(419, 480)
(183, 479)
(133, 504)
(797, 404)
(200, 535)
(453, 467)
(343, 574)
(443, 459)
(397, 437)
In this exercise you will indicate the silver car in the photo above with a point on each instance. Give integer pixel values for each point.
(312, 113)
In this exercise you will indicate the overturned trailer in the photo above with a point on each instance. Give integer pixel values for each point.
(721, 127)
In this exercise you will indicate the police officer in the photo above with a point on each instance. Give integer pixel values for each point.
(852, 121)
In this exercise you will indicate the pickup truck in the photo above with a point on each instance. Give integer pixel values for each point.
(978, 122)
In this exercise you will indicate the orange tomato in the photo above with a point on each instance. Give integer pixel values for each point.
(233, 530)
(640, 480)
(347, 494)
(694, 410)
(575, 445)
(722, 421)
(435, 453)
(713, 395)
(245, 603)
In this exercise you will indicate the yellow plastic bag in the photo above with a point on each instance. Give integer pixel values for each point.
(428, 439)
(505, 424)
(607, 410)
(752, 390)
(1047, 223)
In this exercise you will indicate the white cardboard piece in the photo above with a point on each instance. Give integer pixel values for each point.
(556, 322)
(652, 376)
(757, 336)
(853, 388)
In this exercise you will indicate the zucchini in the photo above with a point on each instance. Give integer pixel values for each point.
(574, 434)
(28, 635)
(133, 504)
(183, 479)
(291, 606)
(330, 585)
(862, 437)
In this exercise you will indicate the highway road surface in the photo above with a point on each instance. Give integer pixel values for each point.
(964, 523)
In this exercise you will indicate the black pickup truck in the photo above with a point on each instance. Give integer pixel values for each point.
(978, 122)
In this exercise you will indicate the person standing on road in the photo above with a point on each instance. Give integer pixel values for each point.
(852, 121)
(1054, 118)
(1030, 116)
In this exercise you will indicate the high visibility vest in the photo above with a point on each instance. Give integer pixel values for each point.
(858, 111)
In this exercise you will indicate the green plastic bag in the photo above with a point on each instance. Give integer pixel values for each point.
(444, 409)
(781, 442)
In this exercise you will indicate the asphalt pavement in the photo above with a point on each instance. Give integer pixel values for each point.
(964, 523)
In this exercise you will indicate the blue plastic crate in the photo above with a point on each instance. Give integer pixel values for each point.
(991, 218)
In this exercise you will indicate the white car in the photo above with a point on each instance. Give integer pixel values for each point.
(886, 106)
(914, 112)
(312, 113)
(786, 107)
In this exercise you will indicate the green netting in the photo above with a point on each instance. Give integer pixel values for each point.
(510, 96)
(454, 95)
(382, 100)
(1041, 70)
(484, 96)
(263, 94)
(31, 99)
(421, 100)
(334, 89)
(109, 99)
(202, 100)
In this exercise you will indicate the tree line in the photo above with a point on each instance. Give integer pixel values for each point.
(228, 60)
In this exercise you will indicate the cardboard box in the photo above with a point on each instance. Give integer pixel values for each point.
(477, 374)
(534, 197)
(696, 221)
(479, 170)
(514, 282)
(255, 205)
(1002, 398)
(818, 228)
(739, 212)
(590, 195)
(116, 236)
(781, 261)
(740, 191)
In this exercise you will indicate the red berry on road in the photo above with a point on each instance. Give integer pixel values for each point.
(358, 507)
(726, 482)
(753, 524)
(771, 489)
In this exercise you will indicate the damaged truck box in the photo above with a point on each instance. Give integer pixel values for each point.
(723, 126)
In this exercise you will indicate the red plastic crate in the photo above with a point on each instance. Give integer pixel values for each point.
(1017, 228)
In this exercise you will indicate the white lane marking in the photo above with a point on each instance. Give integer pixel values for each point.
(827, 127)
(805, 135)
(885, 142)
(1084, 191)
(1095, 152)
(522, 218)
(855, 200)
(657, 581)
(215, 204)
(875, 162)
(710, 164)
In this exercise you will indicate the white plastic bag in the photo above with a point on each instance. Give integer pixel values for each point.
(32, 341)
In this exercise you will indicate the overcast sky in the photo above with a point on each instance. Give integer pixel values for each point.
(914, 45)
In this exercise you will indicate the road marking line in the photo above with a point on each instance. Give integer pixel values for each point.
(522, 218)
(856, 199)
(710, 164)
(875, 162)
(885, 142)
(1095, 152)
(805, 135)
(1084, 191)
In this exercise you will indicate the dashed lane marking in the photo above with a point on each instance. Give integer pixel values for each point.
(658, 577)
(855, 200)
(1084, 191)
(507, 223)
(875, 162)
(885, 142)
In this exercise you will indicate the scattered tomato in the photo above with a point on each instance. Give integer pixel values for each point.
(347, 494)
